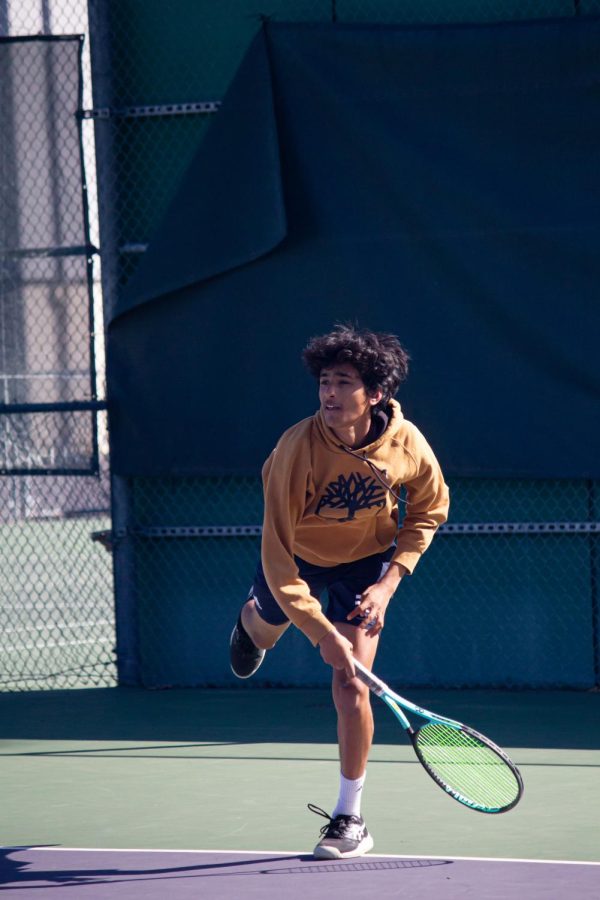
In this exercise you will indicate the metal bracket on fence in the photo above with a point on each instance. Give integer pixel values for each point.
(478, 528)
(153, 110)
(105, 538)
(108, 538)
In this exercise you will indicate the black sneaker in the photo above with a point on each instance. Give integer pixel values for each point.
(244, 655)
(343, 837)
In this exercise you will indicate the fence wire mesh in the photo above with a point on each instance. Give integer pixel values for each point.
(505, 597)
(161, 68)
(56, 599)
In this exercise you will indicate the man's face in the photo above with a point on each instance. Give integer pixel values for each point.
(343, 397)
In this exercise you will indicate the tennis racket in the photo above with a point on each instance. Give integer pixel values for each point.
(464, 763)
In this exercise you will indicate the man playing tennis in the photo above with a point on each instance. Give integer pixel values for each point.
(331, 523)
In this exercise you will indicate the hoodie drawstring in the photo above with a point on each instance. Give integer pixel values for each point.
(379, 475)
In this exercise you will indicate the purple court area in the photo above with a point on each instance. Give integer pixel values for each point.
(156, 875)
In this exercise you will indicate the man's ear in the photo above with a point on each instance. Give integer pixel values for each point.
(375, 398)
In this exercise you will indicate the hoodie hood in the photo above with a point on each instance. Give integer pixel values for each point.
(395, 421)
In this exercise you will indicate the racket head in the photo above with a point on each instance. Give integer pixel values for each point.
(468, 766)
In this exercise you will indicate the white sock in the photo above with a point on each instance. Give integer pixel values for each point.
(348, 803)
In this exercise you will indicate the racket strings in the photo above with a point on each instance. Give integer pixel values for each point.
(467, 766)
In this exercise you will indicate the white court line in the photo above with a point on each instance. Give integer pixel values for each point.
(543, 862)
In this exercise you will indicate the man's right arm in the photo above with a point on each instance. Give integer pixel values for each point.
(336, 651)
(285, 478)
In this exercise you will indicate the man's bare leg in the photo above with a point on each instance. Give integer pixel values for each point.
(347, 834)
(353, 705)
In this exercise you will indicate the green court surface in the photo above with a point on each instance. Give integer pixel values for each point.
(234, 770)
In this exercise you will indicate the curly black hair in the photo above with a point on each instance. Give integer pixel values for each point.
(379, 358)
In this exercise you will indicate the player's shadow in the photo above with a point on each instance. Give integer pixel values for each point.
(21, 874)
(11, 869)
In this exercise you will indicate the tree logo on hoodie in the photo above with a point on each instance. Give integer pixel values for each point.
(345, 498)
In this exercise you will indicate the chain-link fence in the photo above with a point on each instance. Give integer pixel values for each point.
(505, 597)
(514, 552)
(56, 597)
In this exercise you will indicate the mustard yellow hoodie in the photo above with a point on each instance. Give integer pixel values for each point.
(326, 504)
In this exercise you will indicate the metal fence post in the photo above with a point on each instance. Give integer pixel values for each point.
(123, 569)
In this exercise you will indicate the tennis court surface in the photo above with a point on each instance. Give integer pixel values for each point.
(124, 793)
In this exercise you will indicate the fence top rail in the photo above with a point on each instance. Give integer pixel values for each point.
(478, 528)
(70, 406)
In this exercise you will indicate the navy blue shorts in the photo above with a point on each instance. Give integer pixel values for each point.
(344, 585)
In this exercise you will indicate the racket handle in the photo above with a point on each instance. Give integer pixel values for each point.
(374, 683)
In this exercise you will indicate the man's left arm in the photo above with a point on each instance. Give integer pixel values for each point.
(428, 500)
(427, 503)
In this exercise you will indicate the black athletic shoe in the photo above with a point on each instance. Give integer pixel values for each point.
(244, 655)
(342, 837)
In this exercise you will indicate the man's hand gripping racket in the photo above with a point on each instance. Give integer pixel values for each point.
(464, 763)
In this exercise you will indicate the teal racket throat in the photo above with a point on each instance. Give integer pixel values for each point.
(464, 763)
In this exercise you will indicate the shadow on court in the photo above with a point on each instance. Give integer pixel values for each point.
(539, 719)
(156, 875)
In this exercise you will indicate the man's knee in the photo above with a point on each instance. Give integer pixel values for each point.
(262, 634)
(351, 696)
